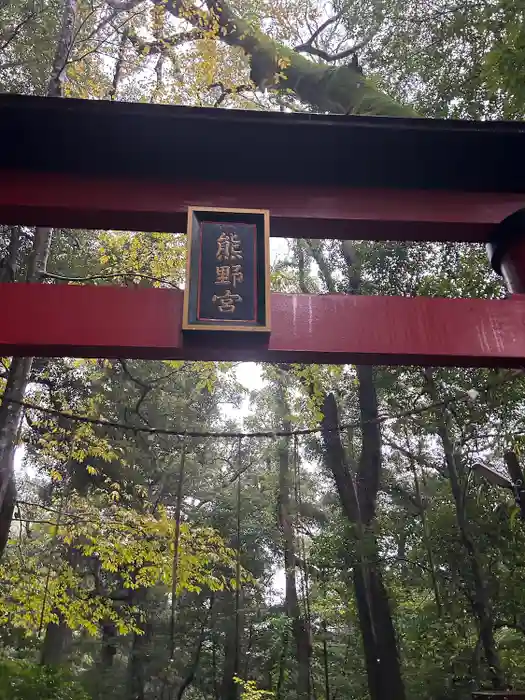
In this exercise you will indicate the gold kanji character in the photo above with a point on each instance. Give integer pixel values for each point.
(222, 275)
(226, 302)
(229, 246)
(237, 275)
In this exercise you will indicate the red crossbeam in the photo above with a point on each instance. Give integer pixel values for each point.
(305, 212)
(100, 321)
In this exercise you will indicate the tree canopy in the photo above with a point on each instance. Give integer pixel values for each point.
(370, 562)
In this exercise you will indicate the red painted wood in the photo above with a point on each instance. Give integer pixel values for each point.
(93, 321)
(311, 212)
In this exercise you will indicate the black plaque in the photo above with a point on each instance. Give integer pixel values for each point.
(227, 281)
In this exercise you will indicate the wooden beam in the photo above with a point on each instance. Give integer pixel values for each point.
(102, 321)
(50, 199)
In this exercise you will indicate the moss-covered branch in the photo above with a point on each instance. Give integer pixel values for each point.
(339, 90)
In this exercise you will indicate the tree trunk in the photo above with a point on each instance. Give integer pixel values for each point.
(136, 676)
(214, 653)
(109, 645)
(6, 513)
(112, 92)
(366, 625)
(358, 503)
(138, 652)
(229, 689)
(63, 49)
(282, 665)
(20, 369)
(481, 605)
(136, 680)
(191, 672)
(57, 642)
(9, 264)
(426, 537)
(358, 497)
(299, 624)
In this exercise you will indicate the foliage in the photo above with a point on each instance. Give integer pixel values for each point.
(20, 680)
(250, 691)
(97, 552)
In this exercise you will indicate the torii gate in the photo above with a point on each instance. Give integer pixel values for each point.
(95, 164)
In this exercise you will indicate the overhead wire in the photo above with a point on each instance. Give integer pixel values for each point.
(462, 397)
(126, 427)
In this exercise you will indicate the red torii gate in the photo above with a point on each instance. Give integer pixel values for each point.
(94, 164)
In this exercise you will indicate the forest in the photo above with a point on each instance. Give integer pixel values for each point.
(375, 560)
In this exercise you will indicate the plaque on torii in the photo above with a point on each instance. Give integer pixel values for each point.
(228, 271)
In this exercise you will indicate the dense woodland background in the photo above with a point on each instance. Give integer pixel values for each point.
(371, 561)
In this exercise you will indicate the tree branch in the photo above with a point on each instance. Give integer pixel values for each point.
(124, 5)
(160, 45)
(228, 91)
(319, 31)
(145, 389)
(409, 455)
(330, 58)
(340, 90)
(11, 33)
(112, 275)
(112, 92)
